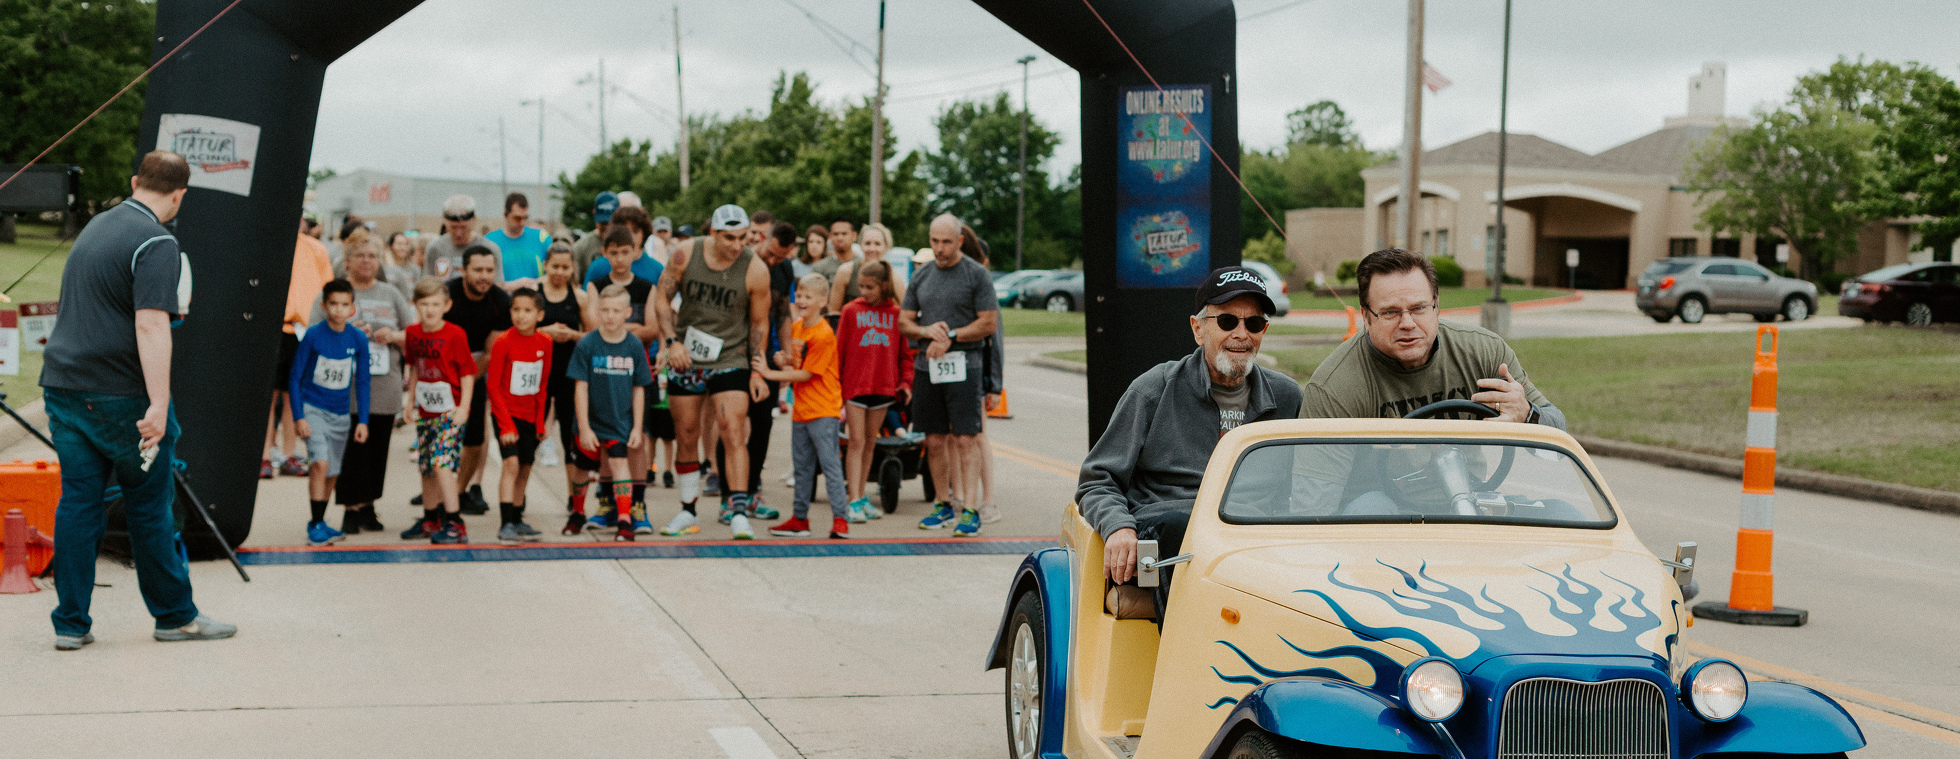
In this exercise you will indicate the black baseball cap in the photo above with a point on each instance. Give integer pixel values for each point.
(1228, 282)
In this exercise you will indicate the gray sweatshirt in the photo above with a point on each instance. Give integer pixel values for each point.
(1161, 437)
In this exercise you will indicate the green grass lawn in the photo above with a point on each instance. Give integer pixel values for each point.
(35, 242)
(1874, 402)
(1450, 297)
(1035, 323)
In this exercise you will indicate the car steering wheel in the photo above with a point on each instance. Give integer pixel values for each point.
(1481, 411)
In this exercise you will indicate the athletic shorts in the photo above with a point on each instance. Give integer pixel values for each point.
(438, 444)
(612, 449)
(873, 401)
(479, 401)
(949, 408)
(282, 370)
(707, 381)
(328, 440)
(659, 423)
(525, 450)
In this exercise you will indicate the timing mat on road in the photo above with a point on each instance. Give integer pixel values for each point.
(698, 549)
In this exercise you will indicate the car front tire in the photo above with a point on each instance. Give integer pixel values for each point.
(1259, 744)
(1059, 303)
(1919, 315)
(1692, 309)
(1027, 671)
(1795, 308)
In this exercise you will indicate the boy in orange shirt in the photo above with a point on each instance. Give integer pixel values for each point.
(819, 401)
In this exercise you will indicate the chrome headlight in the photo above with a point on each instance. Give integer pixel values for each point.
(1433, 689)
(1715, 689)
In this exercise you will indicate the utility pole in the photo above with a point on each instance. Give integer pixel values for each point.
(1021, 203)
(1497, 312)
(1405, 206)
(503, 159)
(680, 100)
(541, 197)
(878, 126)
(603, 144)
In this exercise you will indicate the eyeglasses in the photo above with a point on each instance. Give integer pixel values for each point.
(1228, 322)
(1396, 314)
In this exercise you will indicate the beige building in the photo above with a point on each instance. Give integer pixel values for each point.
(397, 202)
(1622, 209)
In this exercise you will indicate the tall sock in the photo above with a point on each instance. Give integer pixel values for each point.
(432, 515)
(319, 510)
(507, 512)
(622, 491)
(575, 503)
(689, 476)
(639, 492)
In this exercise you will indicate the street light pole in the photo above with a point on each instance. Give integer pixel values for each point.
(1405, 205)
(1496, 311)
(503, 159)
(878, 126)
(1021, 204)
(680, 101)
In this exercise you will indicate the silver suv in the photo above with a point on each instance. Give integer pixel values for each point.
(1692, 288)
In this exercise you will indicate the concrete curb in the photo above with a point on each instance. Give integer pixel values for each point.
(1048, 362)
(1924, 499)
(1573, 297)
(12, 434)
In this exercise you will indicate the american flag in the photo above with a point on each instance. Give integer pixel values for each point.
(1433, 79)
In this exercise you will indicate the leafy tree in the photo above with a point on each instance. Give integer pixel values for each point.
(1322, 123)
(316, 176)
(59, 59)
(975, 176)
(1924, 175)
(1270, 250)
(1302, 175)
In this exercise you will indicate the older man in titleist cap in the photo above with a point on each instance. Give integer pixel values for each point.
(444, 258)
(1142, 476)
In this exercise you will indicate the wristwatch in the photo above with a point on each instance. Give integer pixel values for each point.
(1533, 418)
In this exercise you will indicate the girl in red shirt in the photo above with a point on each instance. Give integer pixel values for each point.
(877, 372)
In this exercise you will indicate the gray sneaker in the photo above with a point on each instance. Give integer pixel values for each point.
(202, 628)
(508, 535)
(72, 642)
(527, 532)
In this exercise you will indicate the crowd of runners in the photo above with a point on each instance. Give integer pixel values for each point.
(664, 357)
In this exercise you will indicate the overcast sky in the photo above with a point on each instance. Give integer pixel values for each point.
(423, 96)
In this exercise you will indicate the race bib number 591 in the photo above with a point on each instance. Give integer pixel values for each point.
(948, 368)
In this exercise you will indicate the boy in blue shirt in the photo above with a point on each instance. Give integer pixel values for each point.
(611, 369)
(330, 358)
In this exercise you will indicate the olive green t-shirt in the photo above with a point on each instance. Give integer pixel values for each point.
(1358, 381)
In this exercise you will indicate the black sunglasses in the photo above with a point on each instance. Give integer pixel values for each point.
(465, 217)
(1228, 322)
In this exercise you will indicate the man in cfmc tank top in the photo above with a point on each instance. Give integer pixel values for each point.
(722, 321)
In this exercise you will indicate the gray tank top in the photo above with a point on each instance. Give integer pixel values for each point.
(717, 303)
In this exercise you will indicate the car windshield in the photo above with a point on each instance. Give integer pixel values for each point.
(1889, 272)
(1309, 482)
(1664, 268)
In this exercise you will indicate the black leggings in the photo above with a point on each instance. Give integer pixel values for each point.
(564, 395)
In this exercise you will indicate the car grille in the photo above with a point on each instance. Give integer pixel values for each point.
(1545, 718)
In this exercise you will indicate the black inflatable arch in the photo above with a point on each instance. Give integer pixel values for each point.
(262, 65)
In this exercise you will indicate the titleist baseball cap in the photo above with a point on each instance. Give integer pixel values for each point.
(729, 217)
(1228, 282)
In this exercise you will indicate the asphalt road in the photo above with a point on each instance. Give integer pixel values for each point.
(822, 657)
(1602, 313)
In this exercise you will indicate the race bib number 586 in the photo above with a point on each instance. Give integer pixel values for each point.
(434, 397)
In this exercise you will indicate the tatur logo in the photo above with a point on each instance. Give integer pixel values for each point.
(1240, 276)
(222, 153)
(211, 151)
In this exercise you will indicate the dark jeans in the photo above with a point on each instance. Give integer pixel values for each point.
(96, 440)
(1164, 522)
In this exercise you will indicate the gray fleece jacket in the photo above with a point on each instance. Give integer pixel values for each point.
(1161, 437)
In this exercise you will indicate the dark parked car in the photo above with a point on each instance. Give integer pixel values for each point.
(1058, 291)
(1917, 294)
(1694, 287)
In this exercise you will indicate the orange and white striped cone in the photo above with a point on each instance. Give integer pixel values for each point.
(1351, 328)
(1752, 589)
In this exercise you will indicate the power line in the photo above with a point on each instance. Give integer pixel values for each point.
(979, 87)
(951, 77)
(1272, 10)
(838, 37)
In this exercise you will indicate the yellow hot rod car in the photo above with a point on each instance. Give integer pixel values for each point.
(1381, 588)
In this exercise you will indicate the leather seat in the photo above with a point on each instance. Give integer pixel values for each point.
(1131, 602)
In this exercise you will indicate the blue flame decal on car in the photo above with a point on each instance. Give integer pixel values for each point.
(1439, 603)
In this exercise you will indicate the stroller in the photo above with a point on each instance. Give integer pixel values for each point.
(900, 455)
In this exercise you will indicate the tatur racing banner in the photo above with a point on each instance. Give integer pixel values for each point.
(1163, 187)
(222, 152)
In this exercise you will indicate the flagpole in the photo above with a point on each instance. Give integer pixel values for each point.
(1405, 210)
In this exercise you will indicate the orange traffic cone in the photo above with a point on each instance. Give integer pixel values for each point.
(13, 562)
(1351, 327)
(1752, 589)
(999, 411)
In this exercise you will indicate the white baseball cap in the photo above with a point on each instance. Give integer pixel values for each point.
(729, 217)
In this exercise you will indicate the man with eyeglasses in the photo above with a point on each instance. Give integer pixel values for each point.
(1411, 358)
(444, 258)
(1142, 476)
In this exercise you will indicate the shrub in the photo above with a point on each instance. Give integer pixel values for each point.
(1832, 283)
(1448, 273)
(1345, 272)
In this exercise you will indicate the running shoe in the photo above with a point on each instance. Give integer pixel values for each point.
(642, 527)
(473, 503)
(450, 534)
(795, 527)
(760, 510)
(989, 513)
(416, 501)
(725, 515)
(526, 532)
(711, 484)
(942, 517)
(350, 522)
(682, 524)
(574, 524)
(265, 470)
(854, 511)
(871, 510)
(667, 480)
(840, 528)
(202, 628)
(624, 534)
(319, 534)
(422, 529)
(600, 521)
(969, 525)
(293, 467)
(72, 642)
(369, 521)
(507, 535)
(548, 453)
(739, 524)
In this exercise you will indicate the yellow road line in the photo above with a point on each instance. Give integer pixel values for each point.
(1902, 714)
(1035, 460)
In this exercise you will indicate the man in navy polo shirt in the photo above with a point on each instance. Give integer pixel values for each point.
(106, 386)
